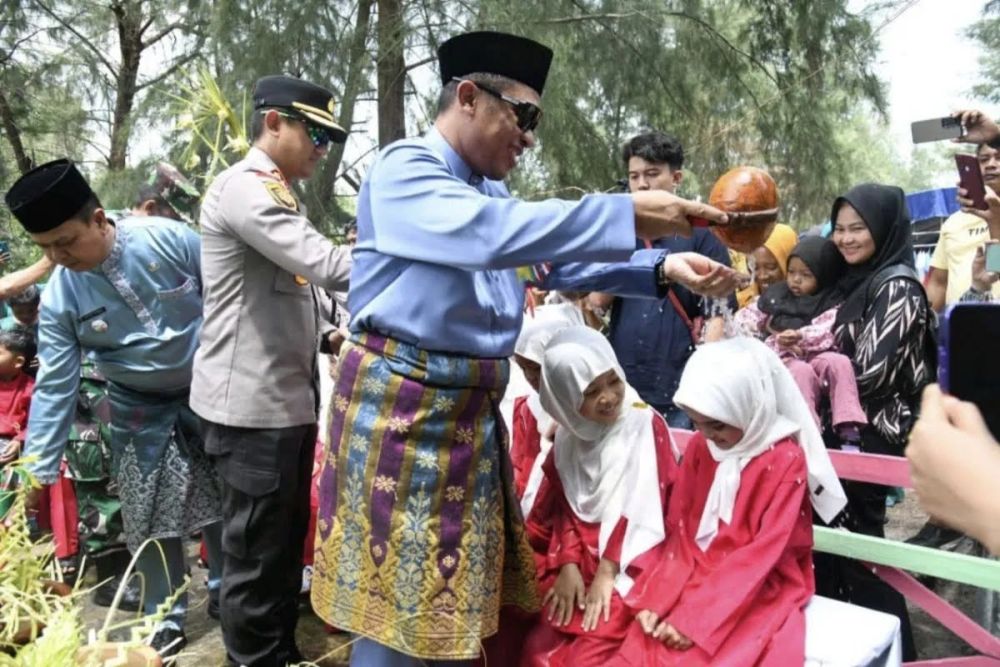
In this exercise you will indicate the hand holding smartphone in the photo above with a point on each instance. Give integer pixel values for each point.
(936, 129)
(971, 180)
(968, 366)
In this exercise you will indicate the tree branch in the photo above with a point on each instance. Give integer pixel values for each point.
(86, 42)
(160, 35)
(179, 63)
(419, 63)
(145, 26)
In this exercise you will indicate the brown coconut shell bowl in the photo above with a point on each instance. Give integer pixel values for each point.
(751, 192)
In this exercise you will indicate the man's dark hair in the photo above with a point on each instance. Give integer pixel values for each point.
(29, 296)
(655, 147)
(980, 147)
(19, 341)
(88, 209)
(447, 96)
(146, 193)
(351, 226)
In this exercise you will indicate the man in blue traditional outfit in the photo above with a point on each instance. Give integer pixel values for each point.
(255, 374)
(419, 537)
(129, 296)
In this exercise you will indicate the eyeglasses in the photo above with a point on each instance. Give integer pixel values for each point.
(321, 137)
(528, 115)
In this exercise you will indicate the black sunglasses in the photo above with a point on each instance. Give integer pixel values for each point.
(321, 137)
(528, 115)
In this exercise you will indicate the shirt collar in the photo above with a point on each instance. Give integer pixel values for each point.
(455, 163)
(261, 161)
(110, 262)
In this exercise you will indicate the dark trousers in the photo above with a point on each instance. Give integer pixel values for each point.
(265, 475)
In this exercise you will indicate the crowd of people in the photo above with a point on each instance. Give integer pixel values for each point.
(654, 502)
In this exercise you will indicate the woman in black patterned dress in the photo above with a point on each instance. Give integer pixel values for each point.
(884, 327)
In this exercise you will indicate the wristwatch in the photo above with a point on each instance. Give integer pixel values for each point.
(662, 281)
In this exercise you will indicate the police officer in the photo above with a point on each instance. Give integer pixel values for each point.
(255, 378)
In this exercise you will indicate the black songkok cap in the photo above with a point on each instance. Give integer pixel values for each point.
(48, 196)
(517, 58)
(312, 102)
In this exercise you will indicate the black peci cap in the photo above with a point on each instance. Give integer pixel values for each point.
(517, 58)
(48, 196)
(312, 102)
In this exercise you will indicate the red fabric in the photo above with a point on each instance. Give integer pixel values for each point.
(741, 602)
(15, 401)
(57, 511)
(525, 445)
(576, 541)
(310, 545)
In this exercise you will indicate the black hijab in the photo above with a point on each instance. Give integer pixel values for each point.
(788, 311)
(883, 209)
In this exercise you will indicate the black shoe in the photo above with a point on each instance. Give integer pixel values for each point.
(168, 642)
(934, 536)
(213, 604)
(131, 600)
(110, 568)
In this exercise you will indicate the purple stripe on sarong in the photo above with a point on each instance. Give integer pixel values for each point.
(453, 500)
(327, 491)
(383, 493)
(375, 343)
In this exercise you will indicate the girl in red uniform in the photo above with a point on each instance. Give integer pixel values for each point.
(735, 572)
(607, 480)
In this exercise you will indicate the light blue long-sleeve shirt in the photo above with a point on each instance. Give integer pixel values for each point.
(137, 316)
(438, 246)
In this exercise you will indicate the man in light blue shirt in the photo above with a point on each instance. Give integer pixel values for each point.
(419, 538)
(128, 295)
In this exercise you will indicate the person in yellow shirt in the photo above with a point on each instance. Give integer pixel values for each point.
(961, 235)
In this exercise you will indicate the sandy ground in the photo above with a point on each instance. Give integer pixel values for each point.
(205, 640)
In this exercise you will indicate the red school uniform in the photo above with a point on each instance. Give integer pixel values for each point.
(742, 600)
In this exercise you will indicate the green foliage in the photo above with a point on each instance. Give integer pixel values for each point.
(787, 85)
(986, 31)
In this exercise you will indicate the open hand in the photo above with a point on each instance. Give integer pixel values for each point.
(568, 592)
(597, 603)
(700, 274)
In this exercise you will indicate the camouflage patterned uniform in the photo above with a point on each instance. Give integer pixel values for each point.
(176, 190)
(89, 461)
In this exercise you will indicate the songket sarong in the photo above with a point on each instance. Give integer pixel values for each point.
(419, 536)
(167, 485)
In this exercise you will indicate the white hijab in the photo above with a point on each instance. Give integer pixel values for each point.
(536, 331)
(607, 471)
(741, 382)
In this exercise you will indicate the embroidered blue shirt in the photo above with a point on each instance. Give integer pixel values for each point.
(137, 316)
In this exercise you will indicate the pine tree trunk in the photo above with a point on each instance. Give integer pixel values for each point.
(391, 72)
(128, 19)
(322, 189)
(13, 134)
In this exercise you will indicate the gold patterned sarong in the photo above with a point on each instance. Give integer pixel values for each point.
(419, 538)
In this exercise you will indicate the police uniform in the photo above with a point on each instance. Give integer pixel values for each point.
(255, 375)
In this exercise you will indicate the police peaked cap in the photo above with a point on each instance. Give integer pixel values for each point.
(48, 196)
(517, 58)
(311, 102)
